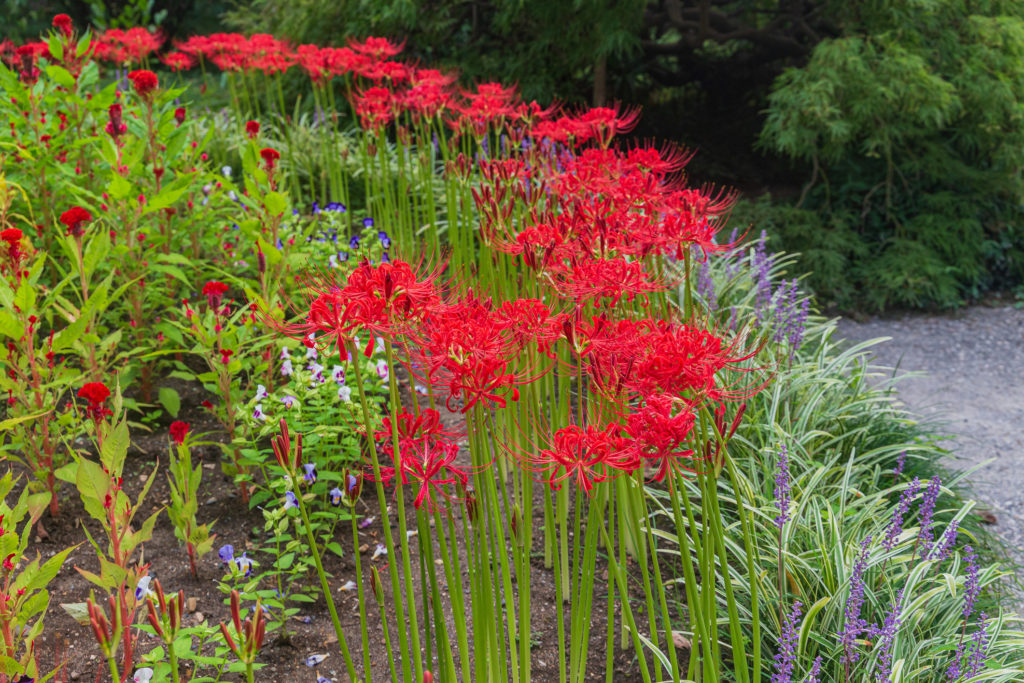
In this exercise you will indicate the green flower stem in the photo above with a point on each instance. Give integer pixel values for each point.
(403, 537)
(361, 594)
(326, 588)
(453, 577)
(383, 507)
(693, 597)
(752, 570)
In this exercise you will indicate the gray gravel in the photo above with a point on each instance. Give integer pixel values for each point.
(973, 381)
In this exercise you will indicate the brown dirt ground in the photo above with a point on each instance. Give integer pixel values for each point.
(71, 645)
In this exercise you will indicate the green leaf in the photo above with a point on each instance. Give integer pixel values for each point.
(119, 187)
(170, 400)
(78, 611)
(61, 76)
(115, 447)
(276, 203)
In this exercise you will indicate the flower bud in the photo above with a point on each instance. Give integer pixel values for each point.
(375, 585)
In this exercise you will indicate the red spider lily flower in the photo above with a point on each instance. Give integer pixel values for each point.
(383, 299)
(73, 219)
(252, 129)
(62, 23)
(680, 359)
(178, 431)
(658, 432)
(414, 431)
(375, 107)
(96, 394)
(469, 349)
(144, 81)
(129, 46)
(179, 115)
(492, 103)
(178, 61)
(530, 321)
(379, 48)
(214, 292)
(589, 455)
(588, 279)
(270, 157)
(604, 123)
(115, 126)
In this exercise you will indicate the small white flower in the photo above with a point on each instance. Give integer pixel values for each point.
(257, 413)
(313, 660)
(143, 675)
(338, 374)
(332, 260)
(410, 534)
(286, 367)
(232, 196)
(226, 170)
(345, 394)
(420, 389)
(311, 352)
(142, 591)
(382, 370)
(380, 343)
(349, 586)
(289, 401)
(378, 551)
(261, 392)
(366, 522)
(285, 353)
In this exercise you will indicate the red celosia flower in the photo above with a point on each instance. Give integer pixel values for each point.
(178, 431)
(11, 237)
(179, 115)
(128, 46)
(73, 219)
(225, 356)
(252, 129)
(270, 157)
(96, 393)
(214, 293)
(62, 23)
(115, 126)
(145, 82)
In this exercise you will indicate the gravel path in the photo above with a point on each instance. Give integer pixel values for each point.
(973, 381)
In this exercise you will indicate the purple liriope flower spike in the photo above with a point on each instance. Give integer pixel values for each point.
(979, 647)
(948, 542)
(901, 460)
(782, 488)
(927, 512)
(885, 636)
(812, 675)
(706, 286)
(853, 624)
(898, 514)
(785, 659)
(972, 586)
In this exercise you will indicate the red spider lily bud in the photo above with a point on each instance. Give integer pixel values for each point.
(73, 219)
(179, 115)
(151, 616)
(428, 677)
(178, 431)
(252, 129)
(229, 640)
(176, 609)
(375, 585)
(471, 506)
(62, 23)
(261, 261)
(145, 82)
(736, 420)
(298, 452)
(513, 522)
(236, 610)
